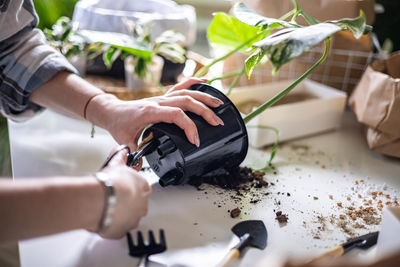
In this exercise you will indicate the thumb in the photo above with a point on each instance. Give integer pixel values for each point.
(118, 155)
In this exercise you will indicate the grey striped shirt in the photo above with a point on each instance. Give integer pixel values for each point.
(26, 60)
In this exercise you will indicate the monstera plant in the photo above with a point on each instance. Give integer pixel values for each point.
(275, 40)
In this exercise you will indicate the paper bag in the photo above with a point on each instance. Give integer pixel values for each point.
(348, 57)
(376, 103)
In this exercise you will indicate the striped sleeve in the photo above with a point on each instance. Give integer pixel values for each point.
(26, 62)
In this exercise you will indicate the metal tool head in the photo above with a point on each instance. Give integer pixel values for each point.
(140, 248)
(362, 242)
(256, 229)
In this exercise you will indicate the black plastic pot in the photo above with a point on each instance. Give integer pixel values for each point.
(222, 148)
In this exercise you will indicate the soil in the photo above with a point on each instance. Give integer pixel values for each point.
(355, 210)
(282, 218)
(241, 178)
(240, 186)
(235, 212)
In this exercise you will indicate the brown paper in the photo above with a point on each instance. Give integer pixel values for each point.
(346, 62)
(383, 143)
(376, 103)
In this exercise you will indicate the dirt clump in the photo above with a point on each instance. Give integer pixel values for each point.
(235, 212)
(281, 218)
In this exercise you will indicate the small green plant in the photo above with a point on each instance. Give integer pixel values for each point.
(275, 40)
(166, 45)
(67, 38)
(64, 37)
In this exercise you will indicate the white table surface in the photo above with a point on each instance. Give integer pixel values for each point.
(197, 230)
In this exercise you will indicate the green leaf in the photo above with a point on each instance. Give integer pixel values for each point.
(120, 41)
(253, 60)
(228, 33)
(172, 52)
(141, 67)
(110, 55)
(287, 44)
(250, 17)
(170, 36)
(167, 45)
(357, 25)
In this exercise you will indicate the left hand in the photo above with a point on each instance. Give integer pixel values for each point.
(125, 120)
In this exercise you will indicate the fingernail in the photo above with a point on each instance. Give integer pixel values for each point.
(196, 140)
(218, 120)
(217, 101)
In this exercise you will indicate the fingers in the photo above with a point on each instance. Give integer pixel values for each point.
(119, 155)
(177, 116)
(199, 96)
(139, 165)
(188, 103)
(186, 84)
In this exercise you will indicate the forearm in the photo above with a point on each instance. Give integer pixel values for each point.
(66, 93)
(37, 207)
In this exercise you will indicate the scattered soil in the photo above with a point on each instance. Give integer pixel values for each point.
(241, 186)
(282, 218)
(241, 178)
(235, 212)
(353, 211)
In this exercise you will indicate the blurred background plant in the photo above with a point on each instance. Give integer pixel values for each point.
(66, 38)
(49, 11)
(167, 45)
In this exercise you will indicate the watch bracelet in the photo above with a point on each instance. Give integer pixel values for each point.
(109, 201)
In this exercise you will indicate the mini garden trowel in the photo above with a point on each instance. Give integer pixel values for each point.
(252, 233)
(363, 242)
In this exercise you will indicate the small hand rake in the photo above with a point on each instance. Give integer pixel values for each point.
(144, 250)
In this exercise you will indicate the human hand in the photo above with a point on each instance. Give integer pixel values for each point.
(132, 192)
(125, 120)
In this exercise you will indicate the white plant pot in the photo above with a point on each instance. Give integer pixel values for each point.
(153, 76)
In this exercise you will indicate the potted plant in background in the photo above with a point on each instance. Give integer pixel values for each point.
(275, 40)
(143, 62)
(64, 37)
(142, 72)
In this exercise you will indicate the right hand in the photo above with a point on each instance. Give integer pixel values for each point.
(132, 192)
(125, 120)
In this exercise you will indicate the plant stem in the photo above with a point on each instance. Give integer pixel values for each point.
(296, 11)
(287, 15)
(277, 97)
(296, 7)
(201, 72)
(236, 80)
(229, 75)
(274, 147)
(308, 18)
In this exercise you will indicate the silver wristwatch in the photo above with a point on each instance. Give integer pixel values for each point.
(110, 201)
